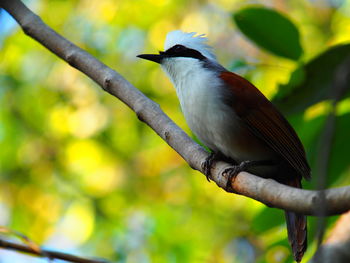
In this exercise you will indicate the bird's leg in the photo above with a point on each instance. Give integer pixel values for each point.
(232, 172)
(208, 163)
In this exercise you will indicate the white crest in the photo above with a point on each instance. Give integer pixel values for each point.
(189, 40)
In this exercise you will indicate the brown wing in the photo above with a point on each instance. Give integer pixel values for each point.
(266, 122)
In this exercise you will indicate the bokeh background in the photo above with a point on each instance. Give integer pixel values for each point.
(80, 173)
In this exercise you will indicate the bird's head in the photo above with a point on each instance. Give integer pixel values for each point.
(183, 52)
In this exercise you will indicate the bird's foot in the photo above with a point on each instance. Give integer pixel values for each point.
(233, 171)
(208, 163)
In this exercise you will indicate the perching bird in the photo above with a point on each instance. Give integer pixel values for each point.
(235, 120)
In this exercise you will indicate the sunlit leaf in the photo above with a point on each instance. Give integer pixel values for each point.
(270, 30)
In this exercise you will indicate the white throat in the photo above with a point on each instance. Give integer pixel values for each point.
(192, 81)
(185, 71)
(197, 88)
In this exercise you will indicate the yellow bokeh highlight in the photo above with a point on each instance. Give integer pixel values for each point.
(271, 74)
(343, 107)
(195, 22)
(103, 180)
(87, 121)
(158, 3)
(341, 25)
(82, 122)
(316, 110)
(78, 222)
(99, 11)
(58, 120)
(96, 170)
(84, 155)
(108, 9)
(12, 53)
(158, 32)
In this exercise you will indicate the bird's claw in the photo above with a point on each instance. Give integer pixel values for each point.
(232, 172)
(207, 164)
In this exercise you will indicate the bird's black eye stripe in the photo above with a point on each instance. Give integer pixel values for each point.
(182, 51)
(179, 48)
(176, 50)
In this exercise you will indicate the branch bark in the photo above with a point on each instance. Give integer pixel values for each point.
(47, 253)
(267, 191)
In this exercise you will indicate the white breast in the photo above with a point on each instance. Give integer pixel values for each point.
(210, 120)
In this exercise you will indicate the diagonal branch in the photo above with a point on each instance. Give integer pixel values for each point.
(47, 253)
(267, 191)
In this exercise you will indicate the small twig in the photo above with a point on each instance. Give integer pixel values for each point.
(47, 253)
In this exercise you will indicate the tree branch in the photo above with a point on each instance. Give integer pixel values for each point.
(267, 191)
(47, 253)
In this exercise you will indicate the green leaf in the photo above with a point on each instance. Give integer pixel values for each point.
(311, 83)
(270, 30)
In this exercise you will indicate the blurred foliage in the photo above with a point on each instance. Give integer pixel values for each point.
(313, 82)
(80, 173)
(270, 30)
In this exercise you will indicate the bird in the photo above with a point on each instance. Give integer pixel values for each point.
(230, 116)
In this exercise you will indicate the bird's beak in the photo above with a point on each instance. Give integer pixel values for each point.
(153, 57)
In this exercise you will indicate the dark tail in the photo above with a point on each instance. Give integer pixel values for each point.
(297, 228)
